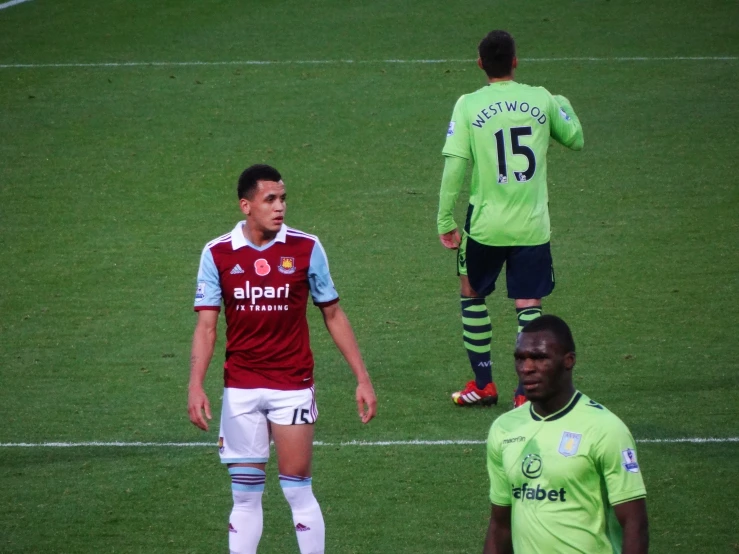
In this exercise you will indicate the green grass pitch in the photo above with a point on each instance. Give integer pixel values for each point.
(112, 178)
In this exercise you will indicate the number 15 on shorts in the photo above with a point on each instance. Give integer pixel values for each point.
(302, 415)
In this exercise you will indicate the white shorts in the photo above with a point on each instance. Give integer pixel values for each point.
(244, 435)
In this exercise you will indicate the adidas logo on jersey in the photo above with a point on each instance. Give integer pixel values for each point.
(236, 270)
(526, 492)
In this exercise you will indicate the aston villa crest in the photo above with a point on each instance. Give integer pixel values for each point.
(569, 444)
(287, 265)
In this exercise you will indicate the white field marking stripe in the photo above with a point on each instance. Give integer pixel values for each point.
(335, 62)
(693, 440)
(12, 3)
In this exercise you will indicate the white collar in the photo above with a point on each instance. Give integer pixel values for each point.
(238, 240)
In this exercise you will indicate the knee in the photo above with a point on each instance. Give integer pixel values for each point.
(247, 486)
(298, 492)
(466, 289)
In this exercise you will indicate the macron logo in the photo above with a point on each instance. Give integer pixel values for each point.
(236, 270)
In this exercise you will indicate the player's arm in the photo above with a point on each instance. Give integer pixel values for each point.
(564, 125)
(343, 336)
(632, 516)
(451, 185)
(616, 458)
(457, 150)
(327, 299)
(207, 306)
(203, 344)
(498, 539)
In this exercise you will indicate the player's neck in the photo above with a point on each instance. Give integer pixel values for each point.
(492, 80)
(258, 237)
(545, 408)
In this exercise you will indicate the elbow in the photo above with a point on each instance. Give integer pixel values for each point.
(578, 144)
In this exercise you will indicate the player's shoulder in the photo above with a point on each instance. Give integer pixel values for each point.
(598, 414)
(218, 242)
(512, 420)
(535, 90)
(512, 90)
(296, 235)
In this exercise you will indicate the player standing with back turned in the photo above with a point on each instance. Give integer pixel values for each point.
(504, 129)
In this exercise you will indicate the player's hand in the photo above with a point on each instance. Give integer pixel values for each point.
(197, 403)
(366, 401)
(450, 240)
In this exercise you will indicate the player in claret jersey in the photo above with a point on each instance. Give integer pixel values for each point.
(504, 129)
(263, 273)
(564, 475)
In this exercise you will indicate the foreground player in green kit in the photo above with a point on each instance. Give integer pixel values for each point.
(504, 129)
(564, 475)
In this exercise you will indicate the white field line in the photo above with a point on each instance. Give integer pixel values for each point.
(12, 3)
(340, 62)
(692, 440)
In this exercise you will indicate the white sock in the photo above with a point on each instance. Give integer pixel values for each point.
(307, 517)
(246, 521)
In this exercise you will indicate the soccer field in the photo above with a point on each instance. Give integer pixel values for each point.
(123, 129)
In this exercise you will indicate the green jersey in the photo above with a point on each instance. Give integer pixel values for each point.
(504, 128)
(561, 475)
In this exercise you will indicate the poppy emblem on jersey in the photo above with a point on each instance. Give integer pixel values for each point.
(630, 463)
(569, 444)
(261, 266)
(287, 265)
(532, 466)
(220, 445)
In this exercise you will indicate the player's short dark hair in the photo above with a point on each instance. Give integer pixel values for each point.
(252, 175)
(554, 325)
(497, 51)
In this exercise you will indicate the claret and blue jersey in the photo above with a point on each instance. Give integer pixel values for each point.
(265, 291)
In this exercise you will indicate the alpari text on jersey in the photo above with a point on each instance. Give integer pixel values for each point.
(254, 293)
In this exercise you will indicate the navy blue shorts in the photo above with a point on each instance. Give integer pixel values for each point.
(529, 272)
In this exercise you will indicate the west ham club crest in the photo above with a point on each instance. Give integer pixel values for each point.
(287, 265)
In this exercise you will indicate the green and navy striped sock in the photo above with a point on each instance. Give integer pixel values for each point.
(525, 315)
(477, 335)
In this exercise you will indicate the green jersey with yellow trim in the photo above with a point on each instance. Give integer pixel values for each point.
(561, 475)
(504, 128)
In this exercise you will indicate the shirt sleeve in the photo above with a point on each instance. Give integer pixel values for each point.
(319, 278)
(451, 185)
(500, 489)
(208, 292)
(458, 134)
(616, 459)
(564, 125)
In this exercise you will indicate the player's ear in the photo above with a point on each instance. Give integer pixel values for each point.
(515, 63)
(479, 63)
(569, 361)
(245, 206)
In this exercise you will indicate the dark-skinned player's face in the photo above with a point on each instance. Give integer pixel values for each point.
(542, 366)
(266, 208)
